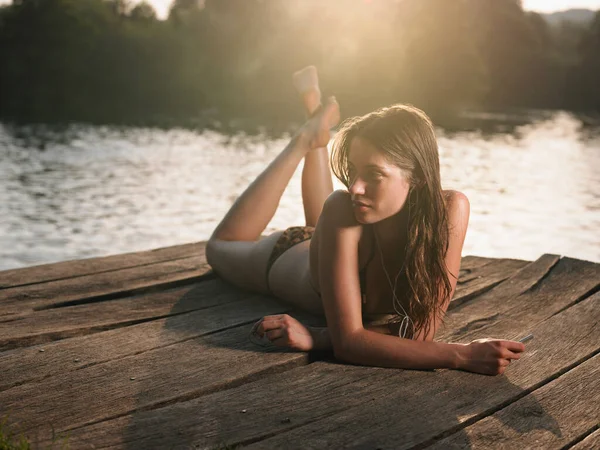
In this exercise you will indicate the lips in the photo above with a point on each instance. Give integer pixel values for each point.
(359, 204)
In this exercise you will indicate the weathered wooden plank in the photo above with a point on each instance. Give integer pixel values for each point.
(108, 284)
(101, 286)
(435, 396)
(37, 327)
(478, 280)
(335, 405)
(47, 325)
(591, 442)
(79, 267)
(239, 308)
(527, 279)
(550, 417)
(44, 326)
(113, 402)
(88, 266)
(186, 369)
(568, 282)
(488, 306)
(470, 262)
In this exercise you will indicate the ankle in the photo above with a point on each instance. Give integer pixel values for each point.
(312, 101)
(303, 137)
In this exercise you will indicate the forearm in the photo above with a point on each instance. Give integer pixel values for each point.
(374, 349)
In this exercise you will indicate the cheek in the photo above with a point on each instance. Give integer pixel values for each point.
(391, 198)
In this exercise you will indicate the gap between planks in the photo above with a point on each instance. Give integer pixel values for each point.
(561, 272)
(89, 266)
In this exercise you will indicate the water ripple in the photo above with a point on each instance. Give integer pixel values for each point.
(87, 191)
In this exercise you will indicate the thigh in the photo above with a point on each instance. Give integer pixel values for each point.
(242, 263)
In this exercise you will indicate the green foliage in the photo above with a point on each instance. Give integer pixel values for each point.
(8, 440)
(113, 61)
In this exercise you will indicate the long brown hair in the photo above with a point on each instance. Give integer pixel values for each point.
(405, 135)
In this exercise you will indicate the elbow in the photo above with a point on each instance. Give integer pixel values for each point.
(345, 349)
(344, 356)
(339, 351)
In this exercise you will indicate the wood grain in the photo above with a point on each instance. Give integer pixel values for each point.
(79, 267)
(339, 405)
(529, 296)
(591, 442)
(39, 327)
(550, 417)
(182, 357)
(421, 407)
(101, 286)
(480, 279)
(22, 365)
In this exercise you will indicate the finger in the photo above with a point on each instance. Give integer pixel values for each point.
(268, 325)
(514, 355)
(514, 346)
(506, 353)
(274, 335)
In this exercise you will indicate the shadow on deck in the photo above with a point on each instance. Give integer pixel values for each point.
(151, 350)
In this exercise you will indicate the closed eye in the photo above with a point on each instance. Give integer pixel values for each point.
(375, 176)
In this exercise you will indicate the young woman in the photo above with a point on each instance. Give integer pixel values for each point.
(380, 260)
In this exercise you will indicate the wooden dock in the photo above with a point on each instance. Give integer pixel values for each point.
(151, 350)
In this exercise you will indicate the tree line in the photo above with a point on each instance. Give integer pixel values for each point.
(109, 61)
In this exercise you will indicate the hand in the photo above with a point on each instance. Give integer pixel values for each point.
(285, 331)
(489, 356)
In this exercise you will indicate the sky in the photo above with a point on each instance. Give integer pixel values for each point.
(162, 6)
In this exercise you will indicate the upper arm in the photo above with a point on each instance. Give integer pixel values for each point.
(458, 220)
(338, 269)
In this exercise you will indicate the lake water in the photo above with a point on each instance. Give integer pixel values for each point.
(93, 191)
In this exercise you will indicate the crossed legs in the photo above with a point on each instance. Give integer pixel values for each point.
(316, 175)
(234, 249)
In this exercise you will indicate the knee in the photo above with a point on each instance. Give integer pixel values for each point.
(211, 252)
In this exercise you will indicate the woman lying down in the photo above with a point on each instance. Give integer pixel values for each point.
(379, 259)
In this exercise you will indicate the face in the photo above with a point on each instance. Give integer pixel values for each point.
(375, 182)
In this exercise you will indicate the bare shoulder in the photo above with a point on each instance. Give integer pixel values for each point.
(338, 230)
(338, 214)
(338, 207)
(458, 209)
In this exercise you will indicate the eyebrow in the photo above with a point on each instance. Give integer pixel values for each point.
(370, 166)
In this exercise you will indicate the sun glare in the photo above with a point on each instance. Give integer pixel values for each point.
(162, 6)
(559, 5)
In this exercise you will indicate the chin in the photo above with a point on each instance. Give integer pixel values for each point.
(364, 219)
(360, 218)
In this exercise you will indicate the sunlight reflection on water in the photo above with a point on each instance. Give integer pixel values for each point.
(94, 191)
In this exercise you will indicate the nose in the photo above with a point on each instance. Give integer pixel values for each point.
(357, 187)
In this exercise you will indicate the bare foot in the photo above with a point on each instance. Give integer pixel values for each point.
(306, 82)
(316, 130)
